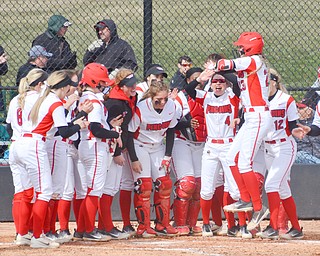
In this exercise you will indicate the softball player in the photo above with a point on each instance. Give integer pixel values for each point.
(252, 79)
(281, 150)
(93, 149)
(74, 178)
(121, 103)
(155, 72)
(154, 118)
(29, 89)
(46, 116)
(221, 108)
(191, 134)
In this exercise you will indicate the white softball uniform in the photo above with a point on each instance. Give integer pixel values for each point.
(20, 176)
(219, 113)
(150, 127)
(31, 149)
(93, 151)
(141, 88)
(280, 146)
(252, 79)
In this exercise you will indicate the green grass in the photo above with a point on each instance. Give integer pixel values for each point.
(196, 28)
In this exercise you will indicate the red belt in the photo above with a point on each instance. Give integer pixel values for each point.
(30, 135)
(222, 141)
(275, 141)
(255, 109)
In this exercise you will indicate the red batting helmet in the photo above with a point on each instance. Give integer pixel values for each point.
(252, 43)
(93, 73)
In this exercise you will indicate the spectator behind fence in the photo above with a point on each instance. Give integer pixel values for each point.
(109, 49)
(53, 41)
(3, 71)
(309, 147)
(179, 78)
(38, 58)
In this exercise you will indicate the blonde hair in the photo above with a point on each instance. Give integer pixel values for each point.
(25, 82)
(154, 88)
(279, 85)
(55, 78)
(122, 74)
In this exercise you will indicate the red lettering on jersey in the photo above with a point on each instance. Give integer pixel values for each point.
(157, 127)
(278, 113)
(219, 109)
(19, 116)
(240, 74)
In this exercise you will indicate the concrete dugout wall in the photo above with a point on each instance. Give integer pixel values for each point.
(304, 183)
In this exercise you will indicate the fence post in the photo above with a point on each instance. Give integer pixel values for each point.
(147, 34)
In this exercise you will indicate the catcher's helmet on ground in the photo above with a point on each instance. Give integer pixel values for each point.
(93, 73)
(251, 43)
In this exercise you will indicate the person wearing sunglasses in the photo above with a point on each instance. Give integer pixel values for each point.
(221, 105)
(154, 119)
(179, 78)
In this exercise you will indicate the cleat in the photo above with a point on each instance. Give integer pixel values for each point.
(195, 231)
(268, 233)
(52, 236)
(257, 217)
(239, 206)
(43, 242)
(183, 230)
(293, 234)
(166, 231)
(92, 236)
(129, 230)
(77, 236)
(146, 233)
(244, 233)
(206, 230)
(23, 240)
(232, 232)
(255, 231)
(214, 227)
(222, 231)
(115, 233)
(64, 237)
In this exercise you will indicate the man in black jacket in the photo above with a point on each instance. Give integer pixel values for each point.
(3, 71)
(54, 42)
(109, 49)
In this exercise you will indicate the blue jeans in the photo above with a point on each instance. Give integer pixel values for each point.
(304, 157)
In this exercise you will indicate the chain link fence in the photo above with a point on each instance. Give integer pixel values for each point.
(162, 31)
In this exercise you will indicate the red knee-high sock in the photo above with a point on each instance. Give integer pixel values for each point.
(76, 208)
(105, 211)
(274, 204)
(54, 216)
(91, 204)
(47, 220)
(81, 220)
(64, 214)
(24, 217)
(31, 220)
(290, 207)
(217, 201)
(125, 206)
(252, 186)
(39, 211)
(242, 218)
(227, 199)
(244, 194)
(16, 209)
(205, 208)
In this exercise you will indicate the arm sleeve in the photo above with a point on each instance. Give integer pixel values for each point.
(191, 89)
(102, 133)
(131, 149)
(169, 141)
(315, 131)
(79, 115)
(67, 131)
(183, 123)
(292, 125)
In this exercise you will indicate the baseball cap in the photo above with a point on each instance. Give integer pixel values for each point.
(156, 70)
(128, 81)
(39, 50)
(100, 25)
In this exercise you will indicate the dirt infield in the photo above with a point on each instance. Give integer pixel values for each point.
(310, 245)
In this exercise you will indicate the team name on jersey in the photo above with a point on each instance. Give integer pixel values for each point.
(218, 109)
(157, 127)
(278, 113)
